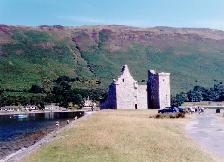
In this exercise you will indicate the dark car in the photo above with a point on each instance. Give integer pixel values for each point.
(171, 110)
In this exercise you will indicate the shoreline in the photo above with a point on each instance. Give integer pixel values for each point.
(20, 154)
(37, 112)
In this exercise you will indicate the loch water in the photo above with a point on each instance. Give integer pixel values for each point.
(23, 130)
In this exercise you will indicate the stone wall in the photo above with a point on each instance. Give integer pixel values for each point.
(164, 90)
(158, 89)
(110, 102)
(126, 90)
(125, 93)
(153, 90)
(142, 97)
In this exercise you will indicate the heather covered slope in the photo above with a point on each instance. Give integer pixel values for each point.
(96, 53)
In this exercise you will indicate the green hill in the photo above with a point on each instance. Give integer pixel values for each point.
(94, 54)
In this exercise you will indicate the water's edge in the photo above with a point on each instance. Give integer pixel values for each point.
(16, 155)
(50, 136)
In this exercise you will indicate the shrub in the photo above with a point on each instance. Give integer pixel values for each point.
(169, 115)
(35, 89)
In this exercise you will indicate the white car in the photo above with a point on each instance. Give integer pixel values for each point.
(191, 109)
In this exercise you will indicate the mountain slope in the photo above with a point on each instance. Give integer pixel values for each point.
(96, 53)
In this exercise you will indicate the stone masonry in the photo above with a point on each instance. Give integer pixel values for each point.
(158, 89)
(126, 93)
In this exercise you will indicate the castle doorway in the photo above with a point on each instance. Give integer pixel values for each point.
(136, 106)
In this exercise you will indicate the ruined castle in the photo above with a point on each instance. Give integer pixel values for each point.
(127, 93)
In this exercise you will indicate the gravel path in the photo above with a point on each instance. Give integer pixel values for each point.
(208, 131)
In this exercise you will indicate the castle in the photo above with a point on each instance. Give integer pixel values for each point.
(126, 93)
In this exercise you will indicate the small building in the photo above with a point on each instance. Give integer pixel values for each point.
(10, 108)
(127, 93)
(51, 107)
(31, 108)
(89, 104)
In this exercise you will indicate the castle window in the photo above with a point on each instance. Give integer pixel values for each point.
(123, 80)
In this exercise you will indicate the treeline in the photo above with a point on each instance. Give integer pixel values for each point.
(199, 93)
(59, 91)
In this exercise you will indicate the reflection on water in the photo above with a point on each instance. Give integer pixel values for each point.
(18, 131)
(49, 115)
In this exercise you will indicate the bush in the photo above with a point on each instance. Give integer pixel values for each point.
(169, 115)
(35, 89)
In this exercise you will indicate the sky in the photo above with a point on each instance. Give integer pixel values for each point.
(139, 13)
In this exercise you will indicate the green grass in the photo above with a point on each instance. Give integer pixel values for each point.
(25, 63)
(34, 54)
(187, 70)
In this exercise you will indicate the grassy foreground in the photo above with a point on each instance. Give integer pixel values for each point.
(121, 136)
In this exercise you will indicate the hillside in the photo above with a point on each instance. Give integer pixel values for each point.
(94, 54)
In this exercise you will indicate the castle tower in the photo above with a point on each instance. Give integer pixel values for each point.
(126, 90)
(126, 93)
(158, 89)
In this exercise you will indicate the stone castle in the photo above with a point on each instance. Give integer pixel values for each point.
(126, 93)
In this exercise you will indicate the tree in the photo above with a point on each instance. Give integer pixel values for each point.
(213, 95)
(1, 97)
(35, 89)
(1, 89)
(195, 96)
(77, 99)
(47, 85)
(219, 91)
(62, 92)
(221, 97)
(179, 99)
(62, 88)
(63, 79)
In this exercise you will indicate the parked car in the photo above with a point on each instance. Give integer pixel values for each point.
(190, 109)
(171, 110)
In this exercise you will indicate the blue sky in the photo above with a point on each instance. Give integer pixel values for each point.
(142, 13)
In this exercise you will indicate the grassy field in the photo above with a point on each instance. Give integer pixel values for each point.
(121, 136)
